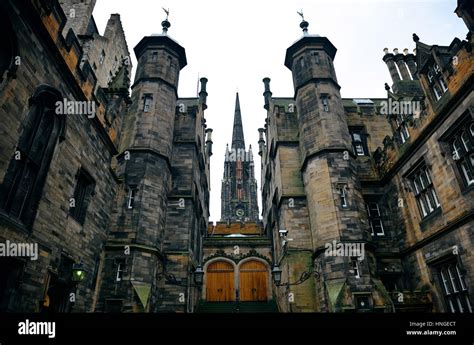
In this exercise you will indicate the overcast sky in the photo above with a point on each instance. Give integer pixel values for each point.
(235, 44)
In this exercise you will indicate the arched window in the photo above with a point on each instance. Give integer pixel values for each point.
(23, 183)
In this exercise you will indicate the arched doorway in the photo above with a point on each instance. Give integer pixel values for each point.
(220, 282)
(253, 281)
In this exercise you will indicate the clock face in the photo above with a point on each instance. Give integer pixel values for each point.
(239, 212)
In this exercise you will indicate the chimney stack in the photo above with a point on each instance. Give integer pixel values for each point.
(267, 94)
(209, 142)
(392, 68)
(203, 94)
(261, 141)
(402, 67)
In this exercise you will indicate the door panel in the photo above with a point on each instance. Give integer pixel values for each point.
(220, 282)
(253, 281)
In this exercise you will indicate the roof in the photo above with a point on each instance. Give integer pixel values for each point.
(323, 42)
(162, 40)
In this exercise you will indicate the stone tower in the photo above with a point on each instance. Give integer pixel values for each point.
(239, 186)
(135, 247)
(334, 199)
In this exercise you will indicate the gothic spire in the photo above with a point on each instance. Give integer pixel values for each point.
(238, 141)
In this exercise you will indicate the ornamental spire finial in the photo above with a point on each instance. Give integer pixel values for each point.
(165, 23)
(304, 24)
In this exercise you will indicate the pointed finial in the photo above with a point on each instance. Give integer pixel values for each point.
(387, 87)
(304, 24)
(415, 38)
(165, 23)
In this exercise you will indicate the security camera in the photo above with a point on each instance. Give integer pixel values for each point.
(283, 233)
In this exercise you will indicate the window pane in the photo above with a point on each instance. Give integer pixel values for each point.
(447, 290)
(417, 189)
(460, 278)
(467, 173)
(428, 202)
(378, 227)
(466, 141)
(428, 177)
(422, 206)
(23, 190)
(452, 277)
(468, 303)
(41, 138)
(435, 197)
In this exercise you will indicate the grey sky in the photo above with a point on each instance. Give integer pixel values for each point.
(235, 44)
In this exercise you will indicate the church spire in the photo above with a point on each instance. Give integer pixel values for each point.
(238, 141)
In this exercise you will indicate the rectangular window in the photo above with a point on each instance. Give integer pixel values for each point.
(343, 196)
(147, 103)
(436, 68)
(424, 192)
(461, 144)
(375, 219)
(316, 57)
(402, 128)
(430, 76)
(154, 57)
(359, 141)
(437, 92)
(444, 87)
(82, 196)
(454, 288)
(355, 267)
(325, 101)
(102, 57)
(120, 270)
(132, 192)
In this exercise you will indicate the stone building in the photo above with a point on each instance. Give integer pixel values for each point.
(374, 197)
(367, 204)
(109, 184)
(237, 254)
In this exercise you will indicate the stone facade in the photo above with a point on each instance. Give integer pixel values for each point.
(123, 192)
(387, 175)
(367, 204)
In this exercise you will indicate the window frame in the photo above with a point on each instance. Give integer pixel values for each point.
(373, 218)
(424, 192)
(147, 102)
(83, 193)
(402, 129)
(355, 266)
(36, 150)
(453, 287)
(458, 142)
(131, 197)
(362, 142)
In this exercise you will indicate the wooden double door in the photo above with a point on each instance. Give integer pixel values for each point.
(221, 282)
